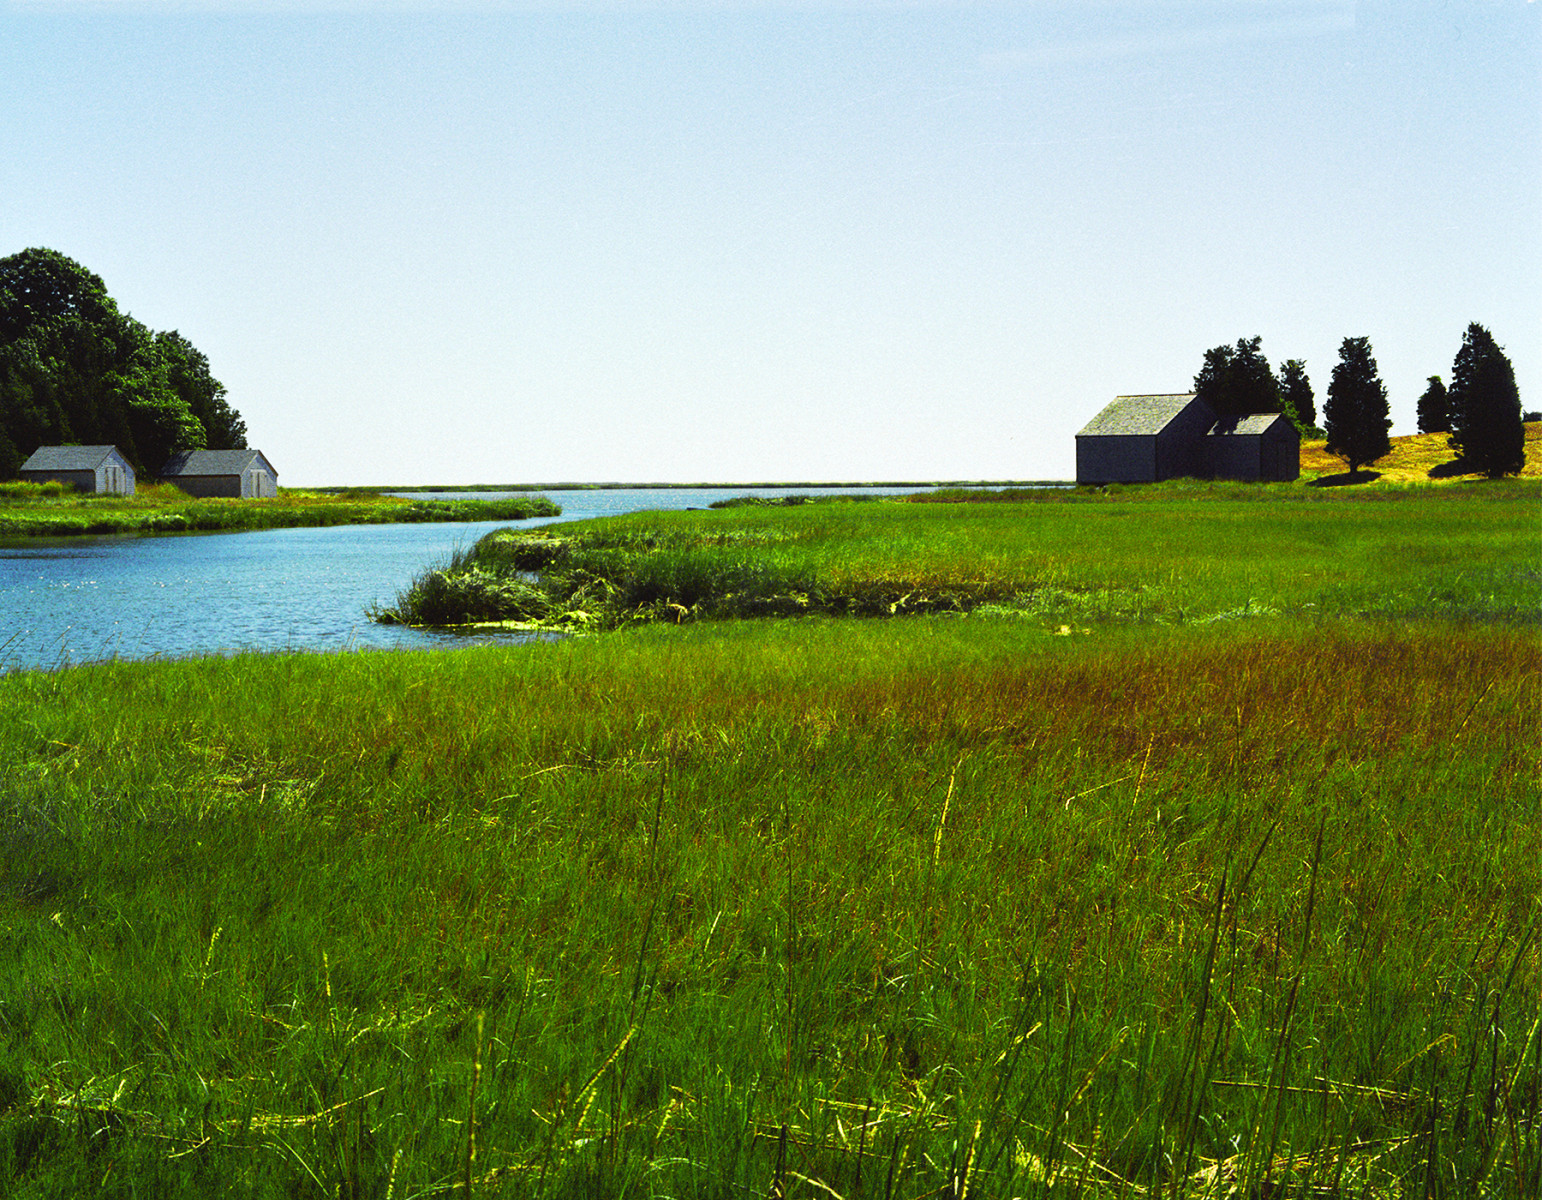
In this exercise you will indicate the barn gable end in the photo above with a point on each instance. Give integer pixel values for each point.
(94, 470)
(1259, 446)
(1140, 439)
(237, 474)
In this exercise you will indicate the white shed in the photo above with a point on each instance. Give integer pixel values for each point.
(92, 469)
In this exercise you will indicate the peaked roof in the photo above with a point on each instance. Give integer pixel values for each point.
(214, 462)
(1252, 423)
(68, 458)
(1136, 415)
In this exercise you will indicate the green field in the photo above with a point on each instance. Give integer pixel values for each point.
(1192, 850)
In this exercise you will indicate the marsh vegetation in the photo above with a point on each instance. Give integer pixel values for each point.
(1216, 874)
(1174, 553)
(55, 510)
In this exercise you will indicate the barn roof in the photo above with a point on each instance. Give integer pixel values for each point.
(1252, 423)
(213, 462)
(68, 458)
(1136, 415)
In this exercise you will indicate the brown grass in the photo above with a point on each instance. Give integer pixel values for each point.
(1416, 458)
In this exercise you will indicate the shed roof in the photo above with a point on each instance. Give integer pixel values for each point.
(1252, 423)
(214, 462)
(68, 458)
(1136, 415)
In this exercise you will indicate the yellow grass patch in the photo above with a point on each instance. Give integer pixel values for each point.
(1416, 458)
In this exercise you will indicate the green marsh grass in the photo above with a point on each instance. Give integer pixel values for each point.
(1179, 553)
(44, 510)
(1232, 889)
(935, 907)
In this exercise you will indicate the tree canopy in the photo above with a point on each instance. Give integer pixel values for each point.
(1485, 407)
(1356, 412)
(74, 369)
(1236, 381)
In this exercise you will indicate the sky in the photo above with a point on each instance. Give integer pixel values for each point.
(717, 241)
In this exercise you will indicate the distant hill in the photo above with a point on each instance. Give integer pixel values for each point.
(1416, 458)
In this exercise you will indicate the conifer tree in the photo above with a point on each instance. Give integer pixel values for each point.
(1296, 392)
(1486, 428)
(1356, 412)
(1235, 382)
(1435, 408)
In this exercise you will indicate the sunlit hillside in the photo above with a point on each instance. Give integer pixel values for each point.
(1419, 457)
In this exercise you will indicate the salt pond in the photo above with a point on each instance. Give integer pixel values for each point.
(75, 600)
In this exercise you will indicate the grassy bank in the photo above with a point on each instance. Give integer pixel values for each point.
(1217, 875)
(1175, 553)
(1414, 458)
(870, 909)
(30, 510)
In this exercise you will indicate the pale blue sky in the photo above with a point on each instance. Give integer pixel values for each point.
(499, 241)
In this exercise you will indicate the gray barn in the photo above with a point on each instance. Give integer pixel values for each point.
(94, 469)
(1258, 446)
(1141, 439)
(239, 474)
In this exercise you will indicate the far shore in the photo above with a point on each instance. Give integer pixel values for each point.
(617, 486)
(1413, 458)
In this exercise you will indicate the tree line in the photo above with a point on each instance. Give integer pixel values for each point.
(1481, 410)
(74, 370)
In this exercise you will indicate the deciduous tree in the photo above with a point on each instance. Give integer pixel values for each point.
(1356, 412)
(187, 374)
(73, 368)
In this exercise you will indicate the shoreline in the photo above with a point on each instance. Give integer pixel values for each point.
(698, 487)
(92, 517)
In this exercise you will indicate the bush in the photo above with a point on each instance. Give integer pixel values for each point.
(462, 592)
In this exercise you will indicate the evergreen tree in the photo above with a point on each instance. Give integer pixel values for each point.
(1237, 381)
(1435, 408)
(1356, 411)
(1300, 405)
(1486, 428)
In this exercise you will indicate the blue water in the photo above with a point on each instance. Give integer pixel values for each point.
(77, 600)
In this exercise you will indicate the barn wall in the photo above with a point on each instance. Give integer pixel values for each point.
(255, 484)
(1180, 445)
(116, 476)
(259, 485)
(1235, 456)
(82, 480)
(1281, 453)
(207, 486)
(1116, 459)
